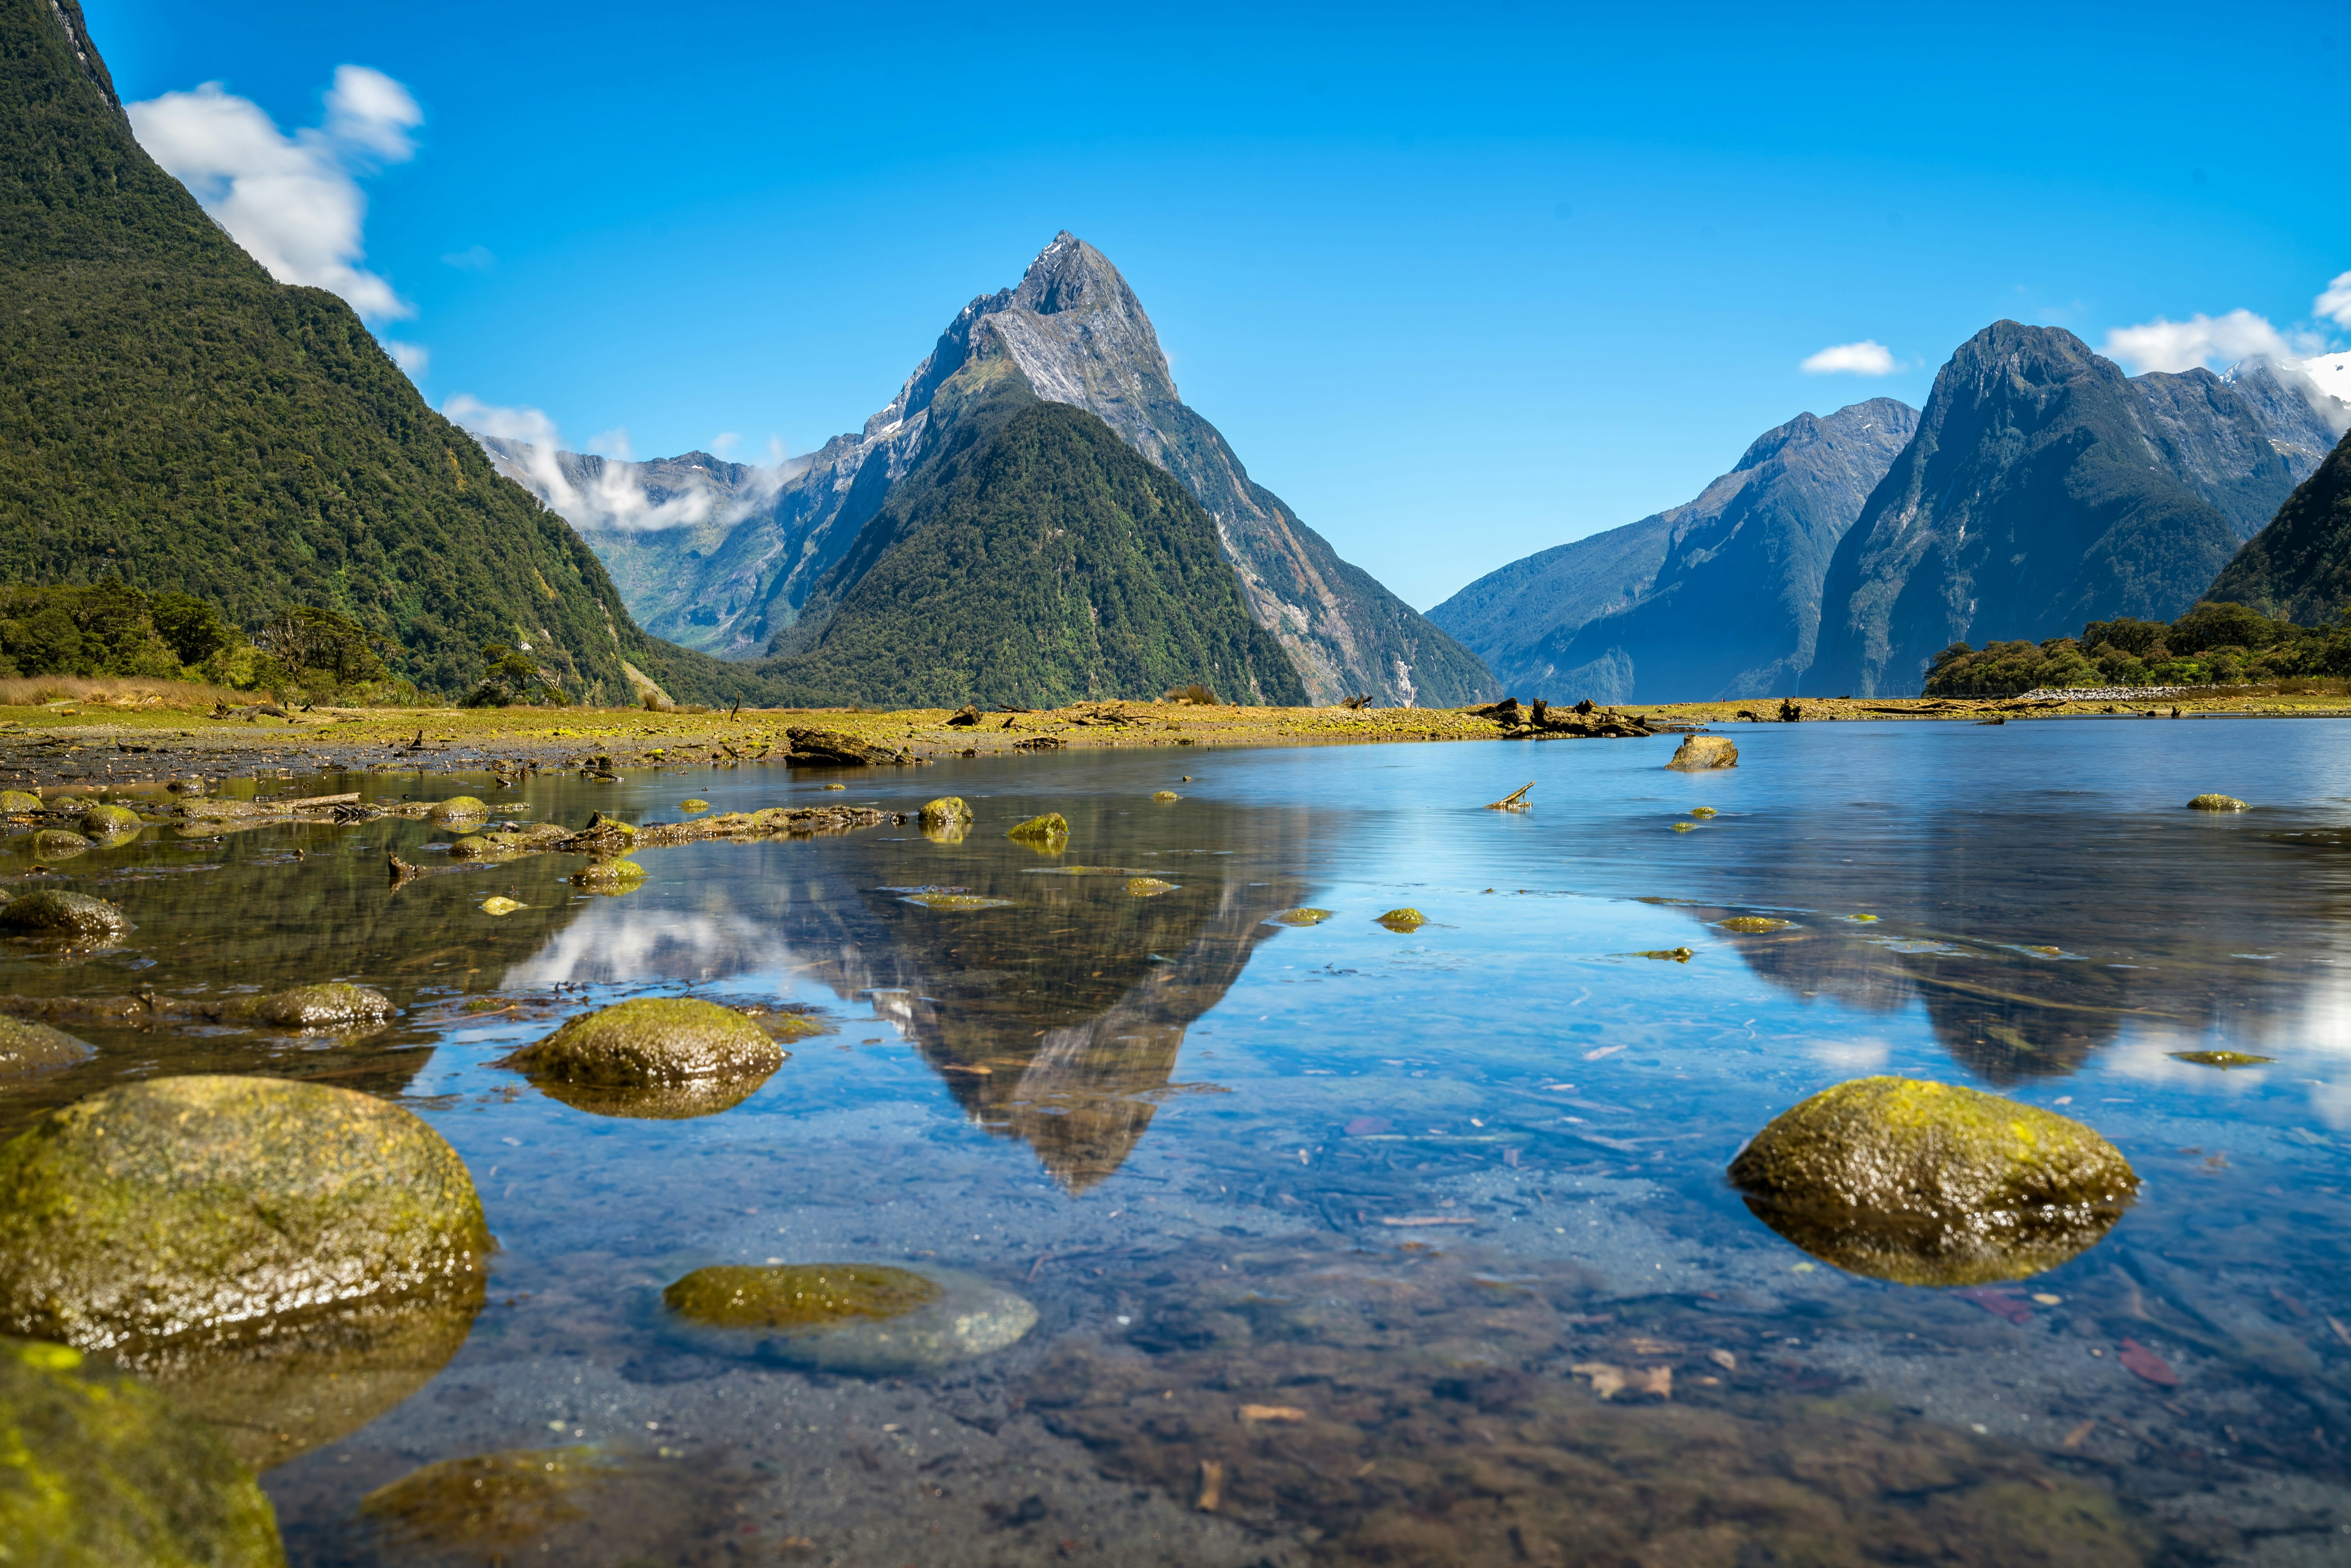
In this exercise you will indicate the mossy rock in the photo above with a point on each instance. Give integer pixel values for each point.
(2221, 1059)
(1299, 917)
(312, 1007)
(1702, 811)
(1677, 955)
(1404, 922)
(944, 809)
(1754, 924)
(187, 1205)
(1930, 1184)
(610, 873)
(498, 904)
(1148, 886)
(1164, 796)
(52, 913)
(1697, 753)
(484, 1502)
(27, 1047)
(1051, 827)
(19, 803)
(695, 806)
(662, 1057)
(2215, 803)
(59, 843)
(1685, 827)
(475, 847)
(98, 1471)
(863, 1318)
(457, 808)
(110, 821)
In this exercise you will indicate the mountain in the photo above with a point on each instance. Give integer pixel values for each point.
(2045, 489)
(2303, 421)
(174, 416)
(1718, 598)
(1033, 558)
(2299, 568)
(1074, 333)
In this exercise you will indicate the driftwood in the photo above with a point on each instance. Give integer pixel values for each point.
(1516, 801)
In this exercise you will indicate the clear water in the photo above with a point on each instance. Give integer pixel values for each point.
(1337, 1234)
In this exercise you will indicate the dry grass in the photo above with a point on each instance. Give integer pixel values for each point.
(126, 692)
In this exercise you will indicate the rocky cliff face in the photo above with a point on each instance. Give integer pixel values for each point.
(1075, 333)
(1718, 598)
(2045, 489)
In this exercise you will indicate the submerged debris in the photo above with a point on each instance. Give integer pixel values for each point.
(2221, 1059)
(1516, 801)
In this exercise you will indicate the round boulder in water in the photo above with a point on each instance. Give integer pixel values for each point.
(656, 1056)
(609, 877)
(1049, 831)
(103, 822)
(312, 1007)
(18, 802)
(200, 1205)
(944, 809)
(102, 1470)
(27, 1047)
(457, 808)
(2215, 803)
(1930, 1184)
(59, 843)
(1404, 922)
(58, 915)
(865, 1318)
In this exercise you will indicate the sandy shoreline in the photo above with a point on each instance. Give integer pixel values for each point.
(134, 749)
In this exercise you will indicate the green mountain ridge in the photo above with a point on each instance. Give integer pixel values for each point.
(171, 416)
(2298, 569)
(1033, 557)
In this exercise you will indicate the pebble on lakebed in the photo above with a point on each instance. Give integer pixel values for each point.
(1932, 1184)
(863, 1318)
(103, 1469)
(659, 1057)
(27, 1047)
(50, 913)
(203, 1205)
(2215, 803)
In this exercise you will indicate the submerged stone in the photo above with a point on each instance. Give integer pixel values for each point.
(498, 904)
(2222, 1058)
(27, 1047)
(311, 1007)
(662, 1057)
(1299, 917)
(1679, 955)
(456, 809)
(1402, 921)
(188, 1206)
(866, 1318)
(2215, 803)
(98, 1469)
(1148, 886)
(491, 1500)
(955, 901)
(59, 843)
(51, 913)
(1929, 1183)
(1752, 923)
(1051, 827)
(1697, 753)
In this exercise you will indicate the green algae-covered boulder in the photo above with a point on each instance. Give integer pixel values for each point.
(2215, 803)
(18, 802)
(697, 807)
(865, 1318)
(99, 1472)
(1300, 917)
(1404, 922)
(950, 808)
(457, 808)
(1930, 1184)
(52, 915)
(110, 821)
(475, 847)
(657, 1056)
(312, 1007)
(609, 876)
(200, 1205)
(27, 1047)
(1051, 828)
(59, 843)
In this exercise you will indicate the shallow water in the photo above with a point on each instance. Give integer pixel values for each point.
(1337, 1235)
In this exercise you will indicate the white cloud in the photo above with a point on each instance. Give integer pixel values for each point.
(2166, 345)
(724, 443)
(1865, 358)
(293, 202)
(2334, 304)
(615, 498)
(414, 358)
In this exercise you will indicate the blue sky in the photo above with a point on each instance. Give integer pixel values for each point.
(1457, 286)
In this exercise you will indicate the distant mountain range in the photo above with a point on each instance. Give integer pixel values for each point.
(179, 419)
(753, 572)
(2040, 488)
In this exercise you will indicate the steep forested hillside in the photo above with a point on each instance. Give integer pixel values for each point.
(2299, 568)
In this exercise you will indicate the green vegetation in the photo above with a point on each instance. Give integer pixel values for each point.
(1036, 560)
(173, 417)
(2300, 566)
(2212, 644)
(303, 654)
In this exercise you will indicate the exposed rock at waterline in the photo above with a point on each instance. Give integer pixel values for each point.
(2215, 803)
(59, 843)
(1697, 753)
(310, 1006)
(1404, 922)
(100, 1470)
(58, 915)
(27, 1047)
(457, 808)
(664, 1057)
(831, 747)
(1051, 827)
(1299, 917)
(184, 1206)
(946, 809)
(859, 1318)
(18, 802)
(1929, 1183)
(104, 822)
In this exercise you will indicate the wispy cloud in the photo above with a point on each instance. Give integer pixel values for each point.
(412, 358)
(2334, 303)
(2214, 340)
(1866, 358)
(612, 495)
(293, 202)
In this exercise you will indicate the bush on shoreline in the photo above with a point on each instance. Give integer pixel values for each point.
(2211, 646)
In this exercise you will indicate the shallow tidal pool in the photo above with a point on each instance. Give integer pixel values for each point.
(1320, 1240)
